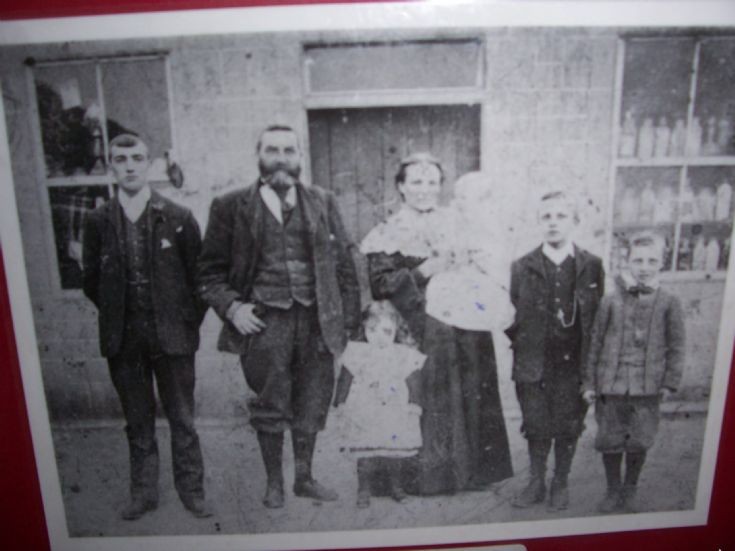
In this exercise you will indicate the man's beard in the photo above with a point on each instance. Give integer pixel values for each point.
(279, 175)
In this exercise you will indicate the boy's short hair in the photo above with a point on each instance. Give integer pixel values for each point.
(561, 195)
(126, 140)
(646, 239)
(418, 159)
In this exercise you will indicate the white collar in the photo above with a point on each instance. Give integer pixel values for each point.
(557, 256)
(273, 201)
(133, 206)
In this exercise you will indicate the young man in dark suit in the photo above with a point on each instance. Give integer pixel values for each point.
(555, 289)
(276, 265)
(139, 258)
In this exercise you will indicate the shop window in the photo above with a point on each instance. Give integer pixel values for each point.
(674, 169)
(81, 106)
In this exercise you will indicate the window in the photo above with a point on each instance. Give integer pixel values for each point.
(674, 165)
(82, 105)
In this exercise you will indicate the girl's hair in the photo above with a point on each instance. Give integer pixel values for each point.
(416, 159)
(383, 308)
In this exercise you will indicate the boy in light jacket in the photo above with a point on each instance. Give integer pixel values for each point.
(635, 360)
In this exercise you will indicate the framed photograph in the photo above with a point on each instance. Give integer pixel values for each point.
(348, 276)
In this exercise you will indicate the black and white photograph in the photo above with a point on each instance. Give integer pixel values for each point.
(347, 276)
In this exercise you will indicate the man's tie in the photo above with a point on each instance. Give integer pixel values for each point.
(640, 289)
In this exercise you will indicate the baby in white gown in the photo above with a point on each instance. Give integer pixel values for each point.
(473, 294)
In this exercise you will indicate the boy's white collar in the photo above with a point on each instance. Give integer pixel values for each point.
(557, 256)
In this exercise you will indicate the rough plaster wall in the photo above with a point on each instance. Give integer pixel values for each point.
(547, 114)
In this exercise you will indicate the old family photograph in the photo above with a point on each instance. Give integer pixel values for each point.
(319, 281)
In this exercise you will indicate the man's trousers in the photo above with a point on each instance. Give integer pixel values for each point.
(132, 372)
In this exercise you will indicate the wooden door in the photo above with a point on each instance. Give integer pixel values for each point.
(356, 152)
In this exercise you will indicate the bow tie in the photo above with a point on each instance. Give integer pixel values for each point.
(640, 290)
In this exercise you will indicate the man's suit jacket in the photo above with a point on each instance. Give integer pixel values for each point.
(529, 292)
(231, 248)
(174, 244)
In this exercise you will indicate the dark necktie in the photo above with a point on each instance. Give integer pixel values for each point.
(640, 289)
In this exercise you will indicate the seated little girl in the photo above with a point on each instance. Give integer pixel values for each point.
(379, 425)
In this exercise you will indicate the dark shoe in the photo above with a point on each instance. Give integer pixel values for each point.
(534, 493)
(312, 489)
(363, 499)
(138, 507)
(558, 496)
(196, 506)
(628, 502)
(274, 495)
(611, 501)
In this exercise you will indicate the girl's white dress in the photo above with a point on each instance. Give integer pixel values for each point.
(376, 418)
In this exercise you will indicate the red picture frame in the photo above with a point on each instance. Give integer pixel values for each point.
(21, 507)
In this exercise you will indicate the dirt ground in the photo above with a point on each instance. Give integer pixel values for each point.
(94, 474)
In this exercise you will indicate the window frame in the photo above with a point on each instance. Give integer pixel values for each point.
(45, 183)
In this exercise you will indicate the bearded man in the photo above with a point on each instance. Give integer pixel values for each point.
(276, 266)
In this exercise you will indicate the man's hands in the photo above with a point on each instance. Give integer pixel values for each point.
(245, 321)
(589, 396)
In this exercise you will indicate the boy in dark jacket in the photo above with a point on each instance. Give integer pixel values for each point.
(555, 289)
(635, 360)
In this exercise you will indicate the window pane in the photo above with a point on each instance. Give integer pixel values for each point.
(645, 199)
(707, 225)
(69, 208)
(393, 66)
(136, 100)
(67, 95)
(656, 84)
(715, 103)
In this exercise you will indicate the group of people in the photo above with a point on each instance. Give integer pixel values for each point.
(413, 375)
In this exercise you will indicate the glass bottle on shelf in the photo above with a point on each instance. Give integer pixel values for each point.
(724, 200)
(711, 147)
(678, 139)
(646, 139)
(685, 255)
(706, 204)
(712, 257)
(647, 204)
(694, 138)
(629, 206)
(627, 136)
(662, 138)
(687, 203)
(664, 213)
(724, 134)
(699, 254)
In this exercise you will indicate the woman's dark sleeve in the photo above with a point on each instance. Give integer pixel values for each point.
(396, 278)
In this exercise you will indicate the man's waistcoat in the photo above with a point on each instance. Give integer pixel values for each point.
(285, 269)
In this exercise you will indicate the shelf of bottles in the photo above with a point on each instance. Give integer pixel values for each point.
(674, 167)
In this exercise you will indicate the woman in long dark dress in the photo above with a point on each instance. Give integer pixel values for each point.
(465, 444)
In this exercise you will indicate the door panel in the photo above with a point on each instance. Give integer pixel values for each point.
(356, 153)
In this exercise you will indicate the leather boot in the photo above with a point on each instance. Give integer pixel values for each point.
(271, 448)
(535, 491)
(559, 491)
(612, 500)
(364, 471)
(304, 484)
